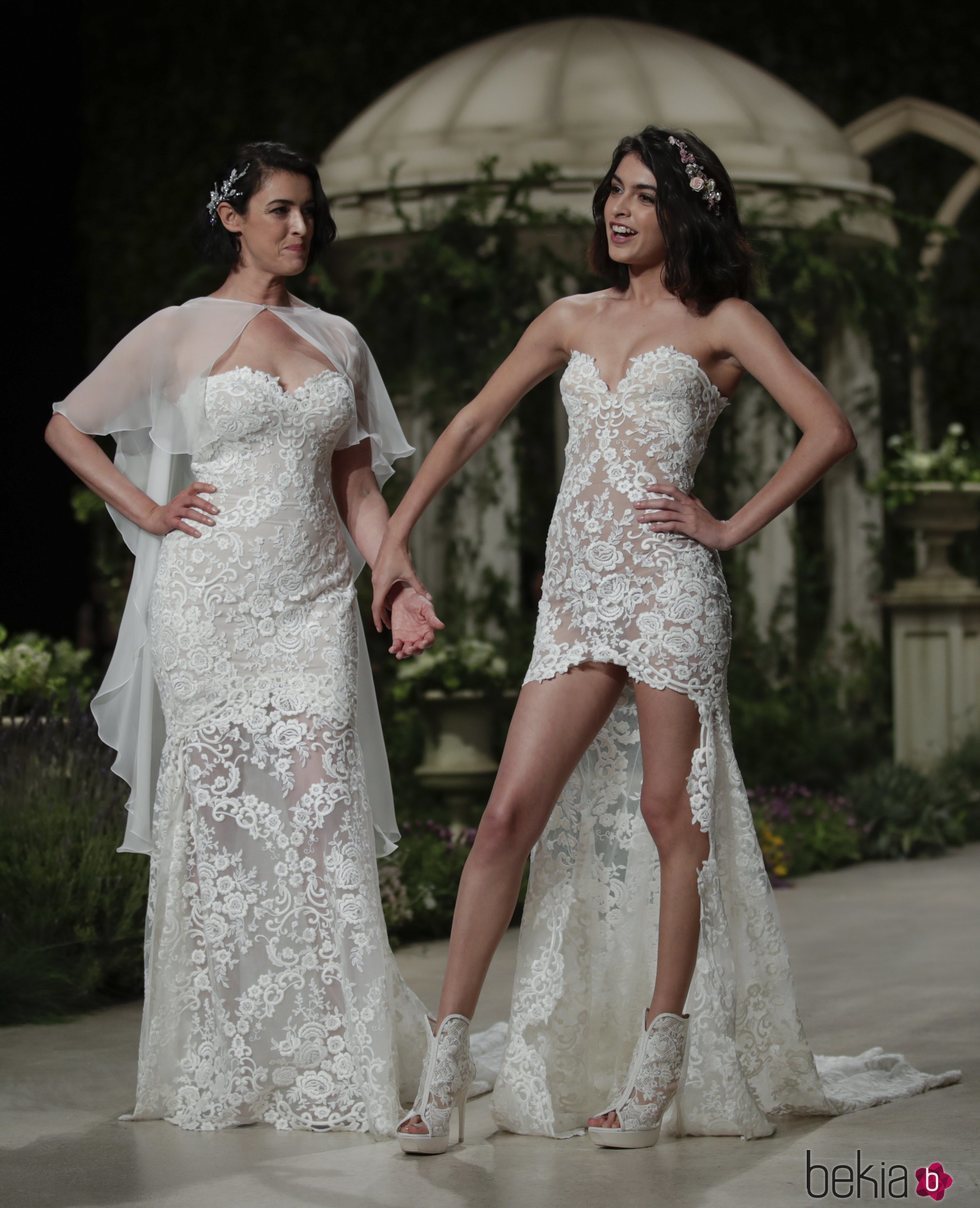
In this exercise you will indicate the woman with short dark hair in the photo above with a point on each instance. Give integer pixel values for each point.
(648, 901)
(253, 433)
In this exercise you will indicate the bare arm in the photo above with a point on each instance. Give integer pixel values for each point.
(83, 455)
(538, 353)
(365, 513)
(361, 505)
(827, 437)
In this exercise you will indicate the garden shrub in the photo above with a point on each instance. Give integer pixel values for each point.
(419, 880)
(802, 831)
(40, 673)
(71, 908)
(811, 722)
(957, 780)
(903, 812)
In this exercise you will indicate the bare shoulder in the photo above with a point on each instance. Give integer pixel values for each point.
(736, 314)
(588, 306)
(734, 323)
(569, 315)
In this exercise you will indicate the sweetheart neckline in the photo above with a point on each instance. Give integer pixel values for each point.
(276, 381)
(639, 357)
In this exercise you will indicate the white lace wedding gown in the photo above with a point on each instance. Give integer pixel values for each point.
(271, 991)
(656, 603)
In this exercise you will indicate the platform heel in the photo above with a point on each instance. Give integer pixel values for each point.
(446, 1080)
(653, 1080)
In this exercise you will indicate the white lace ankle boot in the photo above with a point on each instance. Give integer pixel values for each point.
(653, 1078)
(449, 1070)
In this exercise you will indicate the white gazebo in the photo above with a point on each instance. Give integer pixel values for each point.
(564, 92)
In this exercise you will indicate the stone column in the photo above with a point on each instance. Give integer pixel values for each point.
(764, 438)
(936, 636)
(853, 516)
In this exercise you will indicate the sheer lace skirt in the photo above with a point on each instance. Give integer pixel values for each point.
(271, 991)
(588, 945)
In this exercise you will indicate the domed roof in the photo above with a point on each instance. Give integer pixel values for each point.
(564, 92)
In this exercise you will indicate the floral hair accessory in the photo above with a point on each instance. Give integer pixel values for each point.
(226, 191)
(697, 178)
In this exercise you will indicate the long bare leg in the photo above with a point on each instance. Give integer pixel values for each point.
(669, 734)
(553, 724)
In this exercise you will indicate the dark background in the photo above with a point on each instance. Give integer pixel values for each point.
(123, 114)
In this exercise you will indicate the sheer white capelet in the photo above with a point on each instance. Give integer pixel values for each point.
(148, 394)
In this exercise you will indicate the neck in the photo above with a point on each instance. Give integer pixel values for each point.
(646, 285)
(250, 285)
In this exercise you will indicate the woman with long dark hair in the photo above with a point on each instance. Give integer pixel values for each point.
(253, 434)
(651, 968)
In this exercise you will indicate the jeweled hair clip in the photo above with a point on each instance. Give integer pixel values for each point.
(226, 191)
(697, 178)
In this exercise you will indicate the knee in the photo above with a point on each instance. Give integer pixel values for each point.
(503, 831)
(667, 814)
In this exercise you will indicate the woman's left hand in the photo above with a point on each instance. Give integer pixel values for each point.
(413, 623)
(682, 513)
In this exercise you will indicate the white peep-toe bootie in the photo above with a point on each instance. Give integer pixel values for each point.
(449, 1071)
(653, 1078)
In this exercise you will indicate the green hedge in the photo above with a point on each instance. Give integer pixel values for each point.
(71, 908)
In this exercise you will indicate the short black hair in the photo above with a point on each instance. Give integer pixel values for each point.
(254, 163)
(708, 255)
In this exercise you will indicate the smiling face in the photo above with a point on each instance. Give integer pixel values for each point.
(277, 227)
(630, 213)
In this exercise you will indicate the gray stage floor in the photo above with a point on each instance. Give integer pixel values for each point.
(883, 954)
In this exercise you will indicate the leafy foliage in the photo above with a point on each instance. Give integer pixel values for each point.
(469, 664)
(810, 720)
(955, 461)
(71, 908)
(904, 813)
(39, 672)
(801, 831)
(957, 781)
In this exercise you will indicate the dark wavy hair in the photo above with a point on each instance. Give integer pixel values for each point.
(263, 159)
(708, 255)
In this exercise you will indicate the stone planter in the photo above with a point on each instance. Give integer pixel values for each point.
(459, 762)
(940, 512)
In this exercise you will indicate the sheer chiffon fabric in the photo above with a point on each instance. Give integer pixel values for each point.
(656, 603)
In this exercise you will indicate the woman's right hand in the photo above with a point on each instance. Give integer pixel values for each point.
(189, 504)
(393, 565)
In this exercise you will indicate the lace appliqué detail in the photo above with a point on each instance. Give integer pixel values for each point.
(271, 991)
(449, 1071)
(656, 604)
(654, 1075)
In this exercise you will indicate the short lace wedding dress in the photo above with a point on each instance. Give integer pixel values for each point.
(656, 603)
(271, 991)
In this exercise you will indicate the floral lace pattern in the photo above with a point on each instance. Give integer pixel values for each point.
(654, 1075)
(449, 1071)
(271, 992)
(657, 604)
(614, 590)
